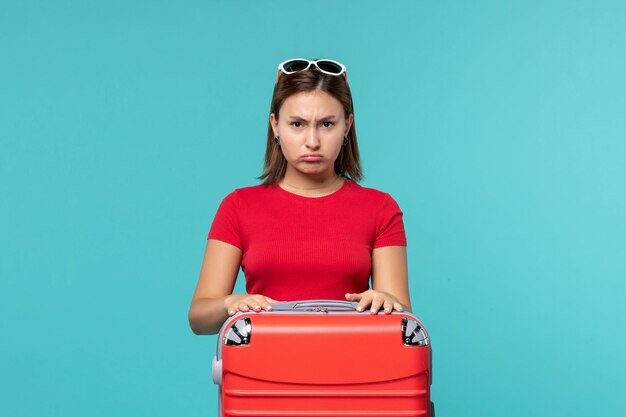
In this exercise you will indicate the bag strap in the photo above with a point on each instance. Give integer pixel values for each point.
(315, 305)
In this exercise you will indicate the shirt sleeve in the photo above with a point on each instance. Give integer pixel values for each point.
(225, 226)
(389, 225)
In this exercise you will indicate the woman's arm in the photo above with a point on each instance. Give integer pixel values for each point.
(390, 282)
(217, 279)
(213, 301)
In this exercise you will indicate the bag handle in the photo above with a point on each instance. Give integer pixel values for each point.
(315, 305)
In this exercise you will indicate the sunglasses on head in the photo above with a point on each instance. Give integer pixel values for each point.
(327, 66)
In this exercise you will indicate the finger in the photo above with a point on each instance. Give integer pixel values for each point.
(356, 297)
(233, 309)
(376, 303)
(267, 304)
(397, 306)
(263, 302)
(364, 303)
(230, 304)
(243, 307)
(388, 305)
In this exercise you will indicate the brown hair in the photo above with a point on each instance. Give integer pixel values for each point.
(347, 163)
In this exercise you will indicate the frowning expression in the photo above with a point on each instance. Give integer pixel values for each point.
(311, 126)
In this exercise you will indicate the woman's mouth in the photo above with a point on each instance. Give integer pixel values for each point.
(312, 157)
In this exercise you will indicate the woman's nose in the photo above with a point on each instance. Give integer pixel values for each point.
(312, 141)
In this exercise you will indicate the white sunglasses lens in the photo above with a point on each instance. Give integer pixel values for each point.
(295, 65)
(330, 67)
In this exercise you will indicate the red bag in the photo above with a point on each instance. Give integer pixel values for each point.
(323, 358)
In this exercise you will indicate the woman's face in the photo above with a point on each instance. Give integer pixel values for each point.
(311, 126)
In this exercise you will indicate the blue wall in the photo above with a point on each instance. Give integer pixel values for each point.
(499, 127)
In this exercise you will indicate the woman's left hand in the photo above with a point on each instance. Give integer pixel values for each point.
(376, 299)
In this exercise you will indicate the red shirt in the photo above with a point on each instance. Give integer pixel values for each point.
(304, 248)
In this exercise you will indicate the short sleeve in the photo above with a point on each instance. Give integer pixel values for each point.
(389, 225)
(225, 226)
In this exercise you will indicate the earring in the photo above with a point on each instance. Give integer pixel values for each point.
(345, 141)
(276, 140)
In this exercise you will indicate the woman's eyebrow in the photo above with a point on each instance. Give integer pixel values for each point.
(323, 119)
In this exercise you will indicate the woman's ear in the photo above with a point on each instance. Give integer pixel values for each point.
(274, 124)
(348, 124)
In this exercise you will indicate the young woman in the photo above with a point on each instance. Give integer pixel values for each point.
(309, 231)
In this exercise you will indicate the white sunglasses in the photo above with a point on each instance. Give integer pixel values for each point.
(327, 66)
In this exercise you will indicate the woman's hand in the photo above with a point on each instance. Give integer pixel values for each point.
(245, 302)
(376, 299)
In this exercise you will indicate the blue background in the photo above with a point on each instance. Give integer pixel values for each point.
(499, 127)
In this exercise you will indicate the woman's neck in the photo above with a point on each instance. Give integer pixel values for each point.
(311, 186)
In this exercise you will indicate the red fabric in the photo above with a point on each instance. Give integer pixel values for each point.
(303, 248)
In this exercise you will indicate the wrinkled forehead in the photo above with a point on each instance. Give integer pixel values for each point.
(311, 104)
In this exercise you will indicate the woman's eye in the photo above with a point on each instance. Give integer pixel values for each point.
(296, 124)
(328, 124)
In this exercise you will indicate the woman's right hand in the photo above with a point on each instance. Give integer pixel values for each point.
(245, 302)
